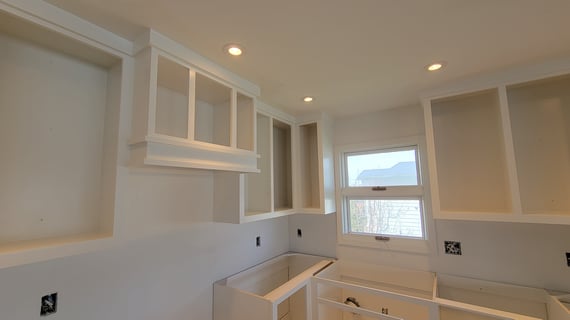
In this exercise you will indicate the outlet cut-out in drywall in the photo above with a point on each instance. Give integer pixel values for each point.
(258, 241)
(452, 247)
(568, 258)
(49, 304)
(299, 233)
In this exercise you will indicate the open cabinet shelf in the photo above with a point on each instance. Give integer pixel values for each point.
(502, 153)
(186, 117)
(315, 178)
(470, 154)
(540, 121)
(59, 116)
(246, 197)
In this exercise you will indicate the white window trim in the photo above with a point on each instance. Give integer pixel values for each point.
(421, 246)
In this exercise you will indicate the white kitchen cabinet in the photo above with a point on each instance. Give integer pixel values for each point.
(246, 197)
(350, 290)
(315, 191)
(501, 151)
(277, 289)
(187, 116)
(377, 292)
(61, 100)
(467, 298)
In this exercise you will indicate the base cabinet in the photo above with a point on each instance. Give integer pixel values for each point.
(348, 290)
(278, 289)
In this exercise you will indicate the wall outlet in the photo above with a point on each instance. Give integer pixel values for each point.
(299, 233)
(258, 241)
(568, 258)
(49, 304)
(452, 247)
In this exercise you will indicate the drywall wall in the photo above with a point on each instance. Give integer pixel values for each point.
(317, 234)
(527, 254)
(164, 265)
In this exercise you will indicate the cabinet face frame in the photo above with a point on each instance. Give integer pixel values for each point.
(502, 83)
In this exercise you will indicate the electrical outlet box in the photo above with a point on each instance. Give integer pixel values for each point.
(258, 241)
(568, 258)
(452, 247)
(299, 233)
(49, 304)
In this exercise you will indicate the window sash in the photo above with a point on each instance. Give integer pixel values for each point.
(395, 192)
(347, 218)
(370, 151)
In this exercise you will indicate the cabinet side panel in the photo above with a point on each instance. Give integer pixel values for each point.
(141, 95)
(259, 184)
(328, 165)
(309, 165)
(110, 140)
(282, 170)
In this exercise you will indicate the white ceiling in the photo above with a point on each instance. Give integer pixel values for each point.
(353, 56)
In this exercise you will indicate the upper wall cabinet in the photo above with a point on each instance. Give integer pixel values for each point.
(502, 153)
(60, 107)
(315, 179)
(246, 197)
(187, 116)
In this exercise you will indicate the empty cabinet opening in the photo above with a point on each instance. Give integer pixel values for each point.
(309, 166)
(540, 121)
(520, 300)
(470, 154)
(172, 99)
(245, 122)
(273, 290)
(258, 186)
(59, 115)
(212, 111)
(282, 172)
(334, 303)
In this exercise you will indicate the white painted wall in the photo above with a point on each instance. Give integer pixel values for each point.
(527, 254)
(165, 276)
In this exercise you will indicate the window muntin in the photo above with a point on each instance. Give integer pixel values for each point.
(396, 211)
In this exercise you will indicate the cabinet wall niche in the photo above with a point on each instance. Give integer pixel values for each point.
(470, 125)
(282, 170)
(60, 102)
(315, 183)
(245, 197)
(212, 113)
(185, 116)
(540, 120)
(503, 153)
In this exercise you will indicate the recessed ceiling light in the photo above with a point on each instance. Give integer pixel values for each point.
(234, 49)
(308, 99)
(435, 66)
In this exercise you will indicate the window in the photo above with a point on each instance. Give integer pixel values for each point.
(381, 194)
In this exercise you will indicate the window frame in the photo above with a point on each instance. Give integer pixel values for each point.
(344, 193)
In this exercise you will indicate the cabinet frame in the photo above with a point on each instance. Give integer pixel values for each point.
(151, 148)
(79, 41)
(501, 83)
